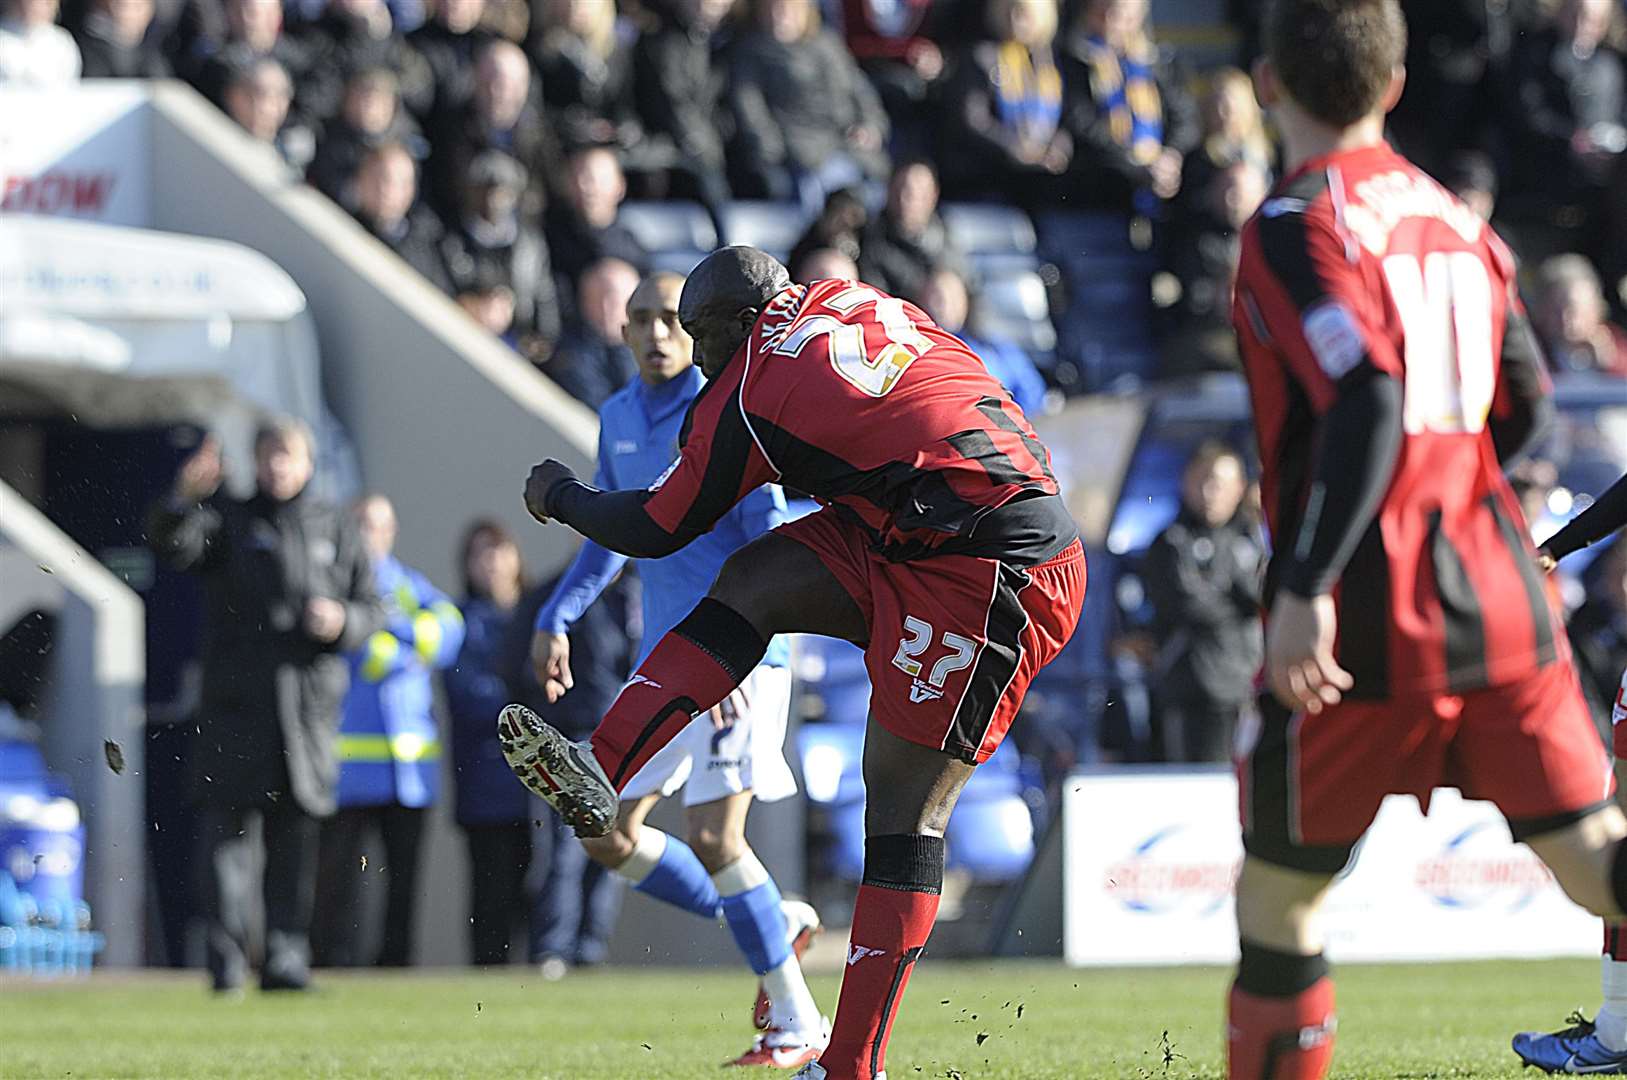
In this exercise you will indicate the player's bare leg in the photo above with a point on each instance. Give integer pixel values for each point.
(1584, 858)
(910, 792)
(1280, 1014)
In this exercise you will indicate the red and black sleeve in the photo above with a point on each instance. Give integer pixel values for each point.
(718, 464)
(1320, 313)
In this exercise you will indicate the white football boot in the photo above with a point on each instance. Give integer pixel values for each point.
(815, 1071)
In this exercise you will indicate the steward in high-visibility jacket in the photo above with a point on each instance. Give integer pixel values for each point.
(389, 744)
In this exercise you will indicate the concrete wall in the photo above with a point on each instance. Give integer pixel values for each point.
(98, 666)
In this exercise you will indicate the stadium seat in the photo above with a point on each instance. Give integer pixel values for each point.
(669, 226)
(770, 226)
(1015, 307)
(677, 262)
(980, 229)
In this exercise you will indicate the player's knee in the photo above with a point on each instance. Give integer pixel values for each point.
(612, 849)
(716, 847)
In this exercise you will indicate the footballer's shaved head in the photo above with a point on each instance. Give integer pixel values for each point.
(1336, 58)
(722, 299)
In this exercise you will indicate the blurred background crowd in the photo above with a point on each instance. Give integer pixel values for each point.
(1054, 180)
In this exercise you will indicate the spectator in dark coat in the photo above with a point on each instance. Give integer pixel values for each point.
(1131, 121)
(254, 32)
(353, 36)
(585, 62)
(593, 362)
(113, 42)
(370, 116)
(582, 227)
(1233, 130)
(259, 96)
(385, 190)
(678, 88)
(287, 591)
(494, 812)
(1003, 110)
(491, 245)
(1566, 119)
(451, 41)
(1204, 249)
(501, 114)
(892, 40)
(1456, 52)
(1598, 629)
(807, 120)
(1202, 576)
(908, 240)
(839, 227)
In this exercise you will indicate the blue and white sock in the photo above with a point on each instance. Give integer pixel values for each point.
(666, 868)
(752, 908)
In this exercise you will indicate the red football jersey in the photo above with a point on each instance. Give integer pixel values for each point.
(1360, 258)
(860, 400)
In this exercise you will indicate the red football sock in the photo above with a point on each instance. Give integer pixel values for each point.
(691, 669)
(1281, 1038)
(892, 920)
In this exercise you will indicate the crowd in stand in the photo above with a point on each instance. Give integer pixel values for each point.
(491, 143)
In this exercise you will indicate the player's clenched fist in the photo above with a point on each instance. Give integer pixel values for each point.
(542, 479)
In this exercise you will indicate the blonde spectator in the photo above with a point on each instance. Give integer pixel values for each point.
(1233, 132)
(1571, 319)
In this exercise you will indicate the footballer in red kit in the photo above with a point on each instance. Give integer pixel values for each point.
(1410, 642)
(943, 548)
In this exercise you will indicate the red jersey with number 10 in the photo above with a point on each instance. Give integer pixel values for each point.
(1360, 258)
(862, 401)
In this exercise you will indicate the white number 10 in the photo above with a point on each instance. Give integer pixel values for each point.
(1445, 308)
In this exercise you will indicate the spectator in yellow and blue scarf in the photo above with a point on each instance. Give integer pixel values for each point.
(1130, 119)
(1003, 130)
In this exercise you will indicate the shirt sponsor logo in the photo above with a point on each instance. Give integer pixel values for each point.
(1332, 333)
(920, 691)
(625, 446)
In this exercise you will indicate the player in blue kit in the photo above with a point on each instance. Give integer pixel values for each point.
(723, 760)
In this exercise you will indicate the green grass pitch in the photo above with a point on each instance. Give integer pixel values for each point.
(959, 1020)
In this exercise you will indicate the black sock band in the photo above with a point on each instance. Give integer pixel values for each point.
(723, 634)
(908, 862)
(1268, 973)
(1618, 876)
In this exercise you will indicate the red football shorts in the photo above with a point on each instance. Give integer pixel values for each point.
(1309, 786)
(954, 639)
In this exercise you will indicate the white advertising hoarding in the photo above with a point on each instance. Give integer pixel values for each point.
(1150, 857)
(78, 152)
